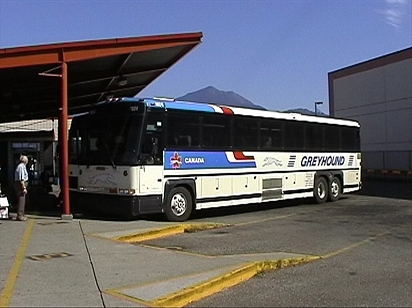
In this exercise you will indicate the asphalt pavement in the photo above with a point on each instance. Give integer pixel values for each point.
(45, 261)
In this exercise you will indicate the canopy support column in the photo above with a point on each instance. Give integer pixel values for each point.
(64, 149)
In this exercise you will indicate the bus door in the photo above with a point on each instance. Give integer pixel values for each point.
(150, 179)
(151, 156)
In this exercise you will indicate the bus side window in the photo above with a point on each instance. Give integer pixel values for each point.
(179, 124)
(151, 147)
(270, 135)
(185, 141)
(267, 142)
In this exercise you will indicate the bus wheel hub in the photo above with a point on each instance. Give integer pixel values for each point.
(178, 205)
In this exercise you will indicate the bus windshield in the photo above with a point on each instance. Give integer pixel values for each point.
(105, 140)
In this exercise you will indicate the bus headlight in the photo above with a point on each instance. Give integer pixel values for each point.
(126, 191)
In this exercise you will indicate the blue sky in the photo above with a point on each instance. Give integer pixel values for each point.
(276, 53)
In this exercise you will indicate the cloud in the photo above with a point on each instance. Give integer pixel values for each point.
(395, 11)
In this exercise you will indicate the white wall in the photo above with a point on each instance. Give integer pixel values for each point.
(381, 100)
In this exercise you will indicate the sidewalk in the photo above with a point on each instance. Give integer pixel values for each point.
(46, 261)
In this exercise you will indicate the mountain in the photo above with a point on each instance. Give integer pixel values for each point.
(212, 95)
(229, 98)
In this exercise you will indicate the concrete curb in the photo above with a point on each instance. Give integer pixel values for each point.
(155, 233)
(208, 285)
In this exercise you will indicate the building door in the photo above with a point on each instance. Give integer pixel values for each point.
(33, 153)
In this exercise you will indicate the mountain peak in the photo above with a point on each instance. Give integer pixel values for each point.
(212, 95)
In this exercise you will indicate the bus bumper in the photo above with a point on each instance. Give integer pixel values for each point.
(128, 206)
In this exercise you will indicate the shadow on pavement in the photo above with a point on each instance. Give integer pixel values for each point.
(49, 207)
(388, 188)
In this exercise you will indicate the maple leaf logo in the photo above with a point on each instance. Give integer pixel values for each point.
(175, 160)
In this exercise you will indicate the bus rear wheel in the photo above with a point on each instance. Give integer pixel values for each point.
(334, 189)
(179, 204)
(320, 190)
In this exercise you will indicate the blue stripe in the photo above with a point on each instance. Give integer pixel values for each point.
(189, 106)
(202, 160)
(130, 100)
(180, 105)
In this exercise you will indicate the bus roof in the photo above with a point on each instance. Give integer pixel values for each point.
(170, 103)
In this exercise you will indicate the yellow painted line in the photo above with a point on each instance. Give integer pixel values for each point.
(10, 284)
(355, 245)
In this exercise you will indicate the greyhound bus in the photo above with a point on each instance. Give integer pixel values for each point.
(133, 156)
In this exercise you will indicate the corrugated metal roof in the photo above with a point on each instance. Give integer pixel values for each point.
(30, 87)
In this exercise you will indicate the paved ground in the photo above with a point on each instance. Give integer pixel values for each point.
(366, 245)
(354, 252)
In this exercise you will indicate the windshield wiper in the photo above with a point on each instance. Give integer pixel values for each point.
(110, 156)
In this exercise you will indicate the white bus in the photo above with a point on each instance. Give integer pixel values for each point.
(131, 156)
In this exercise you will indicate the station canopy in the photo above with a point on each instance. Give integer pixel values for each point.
(30, 80)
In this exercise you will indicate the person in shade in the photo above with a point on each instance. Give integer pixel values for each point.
(20, 187)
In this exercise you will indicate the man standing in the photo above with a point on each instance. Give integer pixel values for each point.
(20, 186)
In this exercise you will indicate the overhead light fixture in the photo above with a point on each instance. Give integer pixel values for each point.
(122, 81)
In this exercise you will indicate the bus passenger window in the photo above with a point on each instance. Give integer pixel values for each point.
(179, 124)
(267, 142)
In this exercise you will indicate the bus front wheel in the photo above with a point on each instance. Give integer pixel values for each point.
(179, 204)
(320, 190)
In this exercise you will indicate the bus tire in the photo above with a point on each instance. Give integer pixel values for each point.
(320, 190)
(179, 204)
(334, 189)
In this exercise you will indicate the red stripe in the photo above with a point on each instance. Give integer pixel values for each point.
(241, 156)
(227, 110)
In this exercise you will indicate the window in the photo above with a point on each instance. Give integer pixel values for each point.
(270, 135)
(151, 152)
(350, 139)
(245, 133)
(216, 131)
(332, 138)
(294, 136)
(182, 130)
(314, 137)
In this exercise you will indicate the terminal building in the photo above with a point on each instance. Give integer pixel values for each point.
(38, 139)
(378, 94)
